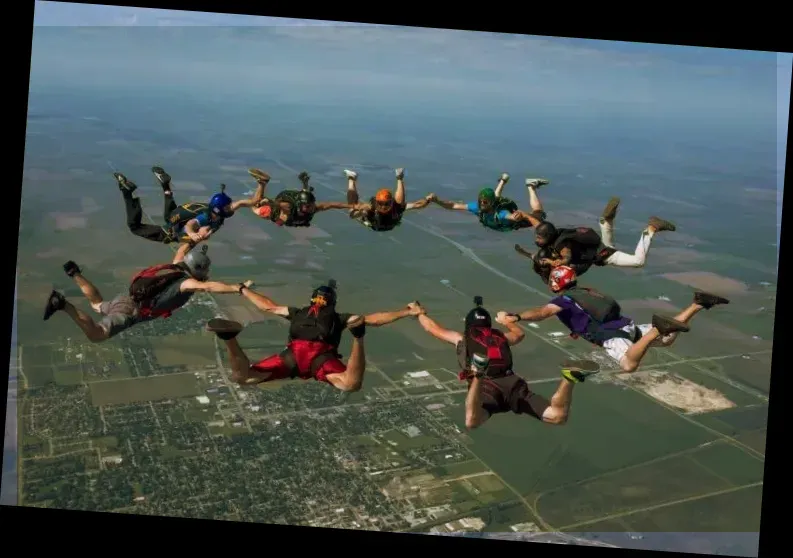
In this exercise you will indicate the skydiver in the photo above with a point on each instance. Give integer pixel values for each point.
(485, 360)
(499, 213)
(581, 247)
(314, 336)
(189, 223)
(155, 292)
(294, 208)
(384, 210)
(597, 318)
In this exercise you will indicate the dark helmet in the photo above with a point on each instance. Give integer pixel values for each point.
(305, 200)
(545, 233)
(478, 316)
(219, 203)
(324, 295)
(487, 199)
(197, 263)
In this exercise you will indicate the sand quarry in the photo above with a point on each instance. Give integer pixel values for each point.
(677, 392)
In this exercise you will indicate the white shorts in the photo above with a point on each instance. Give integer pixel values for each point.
(617, 347)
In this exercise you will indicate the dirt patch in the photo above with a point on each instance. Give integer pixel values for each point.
(708, 281)
(89, 206)
(66, 221)
(677, 392)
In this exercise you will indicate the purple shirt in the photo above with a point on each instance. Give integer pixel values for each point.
(576, 320)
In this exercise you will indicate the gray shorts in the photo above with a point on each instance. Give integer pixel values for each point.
(119, 314)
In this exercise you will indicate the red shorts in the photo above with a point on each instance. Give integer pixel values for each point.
(304, 352)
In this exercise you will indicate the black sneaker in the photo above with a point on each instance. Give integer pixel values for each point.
(123, 184)
(224, 329)
(162, 177)
(665, 325)
(71, 268)
(55, 302)
(708, 300)
(579, 370)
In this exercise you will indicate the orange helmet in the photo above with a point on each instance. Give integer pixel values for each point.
(383, 200)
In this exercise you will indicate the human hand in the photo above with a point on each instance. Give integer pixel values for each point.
(416, 309)
(505, 318)
(248, 284)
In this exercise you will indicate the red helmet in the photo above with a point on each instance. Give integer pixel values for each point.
(561, 277)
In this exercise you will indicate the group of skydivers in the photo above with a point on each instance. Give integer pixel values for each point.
(315, 330)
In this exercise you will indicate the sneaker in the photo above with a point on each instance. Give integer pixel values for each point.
(259, 175)
(610, 211)
(224, 329)
(352, 175)
(55, 302)
(536, 182)
(162, 177)
(123, 183)
(661, 225)
(665, 325)
(71, 268)
(400, 173)
(578, 371)
(504, 177)
(707, 300)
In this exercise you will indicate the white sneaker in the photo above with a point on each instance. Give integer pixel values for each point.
(536, 182)
(400, 173)
(505, 177)
(352, 175)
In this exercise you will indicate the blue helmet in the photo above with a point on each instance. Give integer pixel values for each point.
(218, 203)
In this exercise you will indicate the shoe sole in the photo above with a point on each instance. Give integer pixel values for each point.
(610, 212)
(258, 175)
(662, 224)
(673, 325)
(584, 366)
(50, 309)
(537, 183)
(218, 325)
(716, 300)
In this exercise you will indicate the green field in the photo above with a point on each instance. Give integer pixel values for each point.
(185, 350)
(124, 392)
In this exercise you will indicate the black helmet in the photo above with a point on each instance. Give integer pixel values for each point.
(478, 316)
(197, 263)
(325, 295)
(305, 198)
(545, 233)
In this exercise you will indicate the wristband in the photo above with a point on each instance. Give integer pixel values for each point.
(517, 317)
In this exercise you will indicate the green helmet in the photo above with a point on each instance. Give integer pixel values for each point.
(487, 197)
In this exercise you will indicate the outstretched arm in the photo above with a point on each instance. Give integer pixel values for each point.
(439, 332)
(533, 315)
(216, 287)
(263, 303)
(420, 204)
(455, 206)
(384, 318)
(324, 206)
(523, 216)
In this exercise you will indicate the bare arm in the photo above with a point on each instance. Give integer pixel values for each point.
(324, 206)
(420, 204)
(194, 285)
(539, 314)
(181, 252)
(523, 216)
(251, 202)
(384, 318)
(439, 332)
(455, 206)
(515, 334)
(263, 303)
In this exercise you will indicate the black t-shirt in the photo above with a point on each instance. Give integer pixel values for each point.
(335, 336)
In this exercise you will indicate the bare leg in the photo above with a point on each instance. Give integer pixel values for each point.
(534, 200)
(352, 190)
(399, 195)
(240, 365)
(501, 183)
(559, 410)
(684, 316)
(352, 378)
(475, 415)
(89, 291)
(633, 356)
(92, 330)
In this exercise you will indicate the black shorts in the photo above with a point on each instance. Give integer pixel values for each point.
(511, 394)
